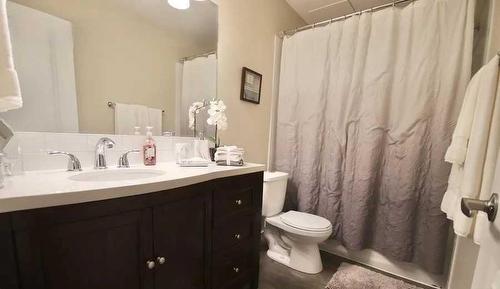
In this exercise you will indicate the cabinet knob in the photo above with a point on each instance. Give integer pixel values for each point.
(236, 269)
(237, 236)
(161, 260)
(239, 202)
(150, 264)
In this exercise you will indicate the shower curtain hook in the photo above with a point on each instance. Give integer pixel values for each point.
(394, 4)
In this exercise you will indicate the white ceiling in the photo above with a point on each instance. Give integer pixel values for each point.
(318, 10)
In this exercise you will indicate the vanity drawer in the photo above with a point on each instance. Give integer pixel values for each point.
(228, 202)
(233, 270)
(236, 231)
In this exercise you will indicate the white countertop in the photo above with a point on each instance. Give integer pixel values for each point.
(39, 189)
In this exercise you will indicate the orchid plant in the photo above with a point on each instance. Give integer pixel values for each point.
(217, 117)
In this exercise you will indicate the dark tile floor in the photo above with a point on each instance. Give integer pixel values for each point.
(273, 275)
(276, 276)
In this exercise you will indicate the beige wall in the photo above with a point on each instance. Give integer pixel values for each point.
(494, 29)
(246, 38)
(119, 57)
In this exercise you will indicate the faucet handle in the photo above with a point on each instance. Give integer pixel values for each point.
(73, 161)
(123, 160)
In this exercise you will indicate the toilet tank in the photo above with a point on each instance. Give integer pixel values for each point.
(274, 193)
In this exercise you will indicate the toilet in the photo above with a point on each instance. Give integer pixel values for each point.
(292, 236)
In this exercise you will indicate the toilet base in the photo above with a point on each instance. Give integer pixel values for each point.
(292, 252)
(299, 261)
(280, 258)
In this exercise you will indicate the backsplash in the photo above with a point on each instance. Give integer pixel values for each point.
(27, 151)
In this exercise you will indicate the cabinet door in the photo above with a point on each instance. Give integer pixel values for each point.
(180, 235)
(100, 253)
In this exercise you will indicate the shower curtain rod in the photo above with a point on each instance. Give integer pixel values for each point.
(329, 21)
(196, 56)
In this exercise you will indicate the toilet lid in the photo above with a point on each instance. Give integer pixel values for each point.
(305, 221)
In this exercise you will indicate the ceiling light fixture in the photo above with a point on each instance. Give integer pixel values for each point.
(179, 4)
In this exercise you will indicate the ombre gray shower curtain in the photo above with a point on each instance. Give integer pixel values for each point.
(366, 111)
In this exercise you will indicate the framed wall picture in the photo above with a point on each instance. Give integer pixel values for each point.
(251, 85)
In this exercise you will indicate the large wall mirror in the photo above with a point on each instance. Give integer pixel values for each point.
(111, 66)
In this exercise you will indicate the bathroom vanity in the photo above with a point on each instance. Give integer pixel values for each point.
(202, 230)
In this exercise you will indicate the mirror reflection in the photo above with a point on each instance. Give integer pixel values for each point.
(112, 66)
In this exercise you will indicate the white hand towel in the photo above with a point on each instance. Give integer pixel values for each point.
(142, 117)
(155, 120)
(10, 92)
(473, 150)
(125, 118)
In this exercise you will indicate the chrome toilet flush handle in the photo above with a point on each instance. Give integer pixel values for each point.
(490, 207)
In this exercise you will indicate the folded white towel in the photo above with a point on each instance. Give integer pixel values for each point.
(10, 92)
(229, 155)
(229, 149)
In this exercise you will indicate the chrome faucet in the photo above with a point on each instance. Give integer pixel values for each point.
(100, 152)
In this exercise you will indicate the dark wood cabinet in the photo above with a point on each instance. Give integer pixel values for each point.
(197, 237)
(180, 238)
(99, 253)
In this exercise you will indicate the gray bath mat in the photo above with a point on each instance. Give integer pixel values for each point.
(350, 276)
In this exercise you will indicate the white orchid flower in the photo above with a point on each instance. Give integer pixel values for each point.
(217, 115)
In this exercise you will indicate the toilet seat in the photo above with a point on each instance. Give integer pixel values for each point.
(305, 221)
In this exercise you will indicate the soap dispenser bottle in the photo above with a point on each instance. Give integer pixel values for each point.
(149, 148)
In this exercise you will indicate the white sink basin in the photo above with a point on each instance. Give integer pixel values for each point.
(116, 175)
